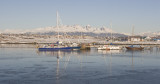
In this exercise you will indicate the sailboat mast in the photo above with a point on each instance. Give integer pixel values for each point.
(57, 25)
(111, 33)
(133, 30)
(132, 34)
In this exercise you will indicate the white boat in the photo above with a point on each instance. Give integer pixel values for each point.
(114, 47)
(109, 47)
(102, 47)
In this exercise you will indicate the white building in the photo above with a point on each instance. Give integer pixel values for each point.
(135, 38)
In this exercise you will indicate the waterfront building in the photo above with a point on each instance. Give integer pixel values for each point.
(135, 38)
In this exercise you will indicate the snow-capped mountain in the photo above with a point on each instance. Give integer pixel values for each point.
(72, 30)
(65, 28)
(150, 33)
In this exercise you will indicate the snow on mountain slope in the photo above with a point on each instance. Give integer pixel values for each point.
(149, 33)
(65, 28)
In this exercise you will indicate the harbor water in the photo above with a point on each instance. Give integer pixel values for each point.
(26, 65)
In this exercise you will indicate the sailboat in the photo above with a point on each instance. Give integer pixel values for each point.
(134, 47)
(58, 45)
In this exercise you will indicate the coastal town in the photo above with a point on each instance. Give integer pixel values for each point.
(38, 38)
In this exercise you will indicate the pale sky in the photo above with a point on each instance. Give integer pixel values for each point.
(29, 14)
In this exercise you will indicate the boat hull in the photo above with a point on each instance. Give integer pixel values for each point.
(134, 48)
(54, 49)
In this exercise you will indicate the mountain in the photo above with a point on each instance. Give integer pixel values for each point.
(74, 28)
(150, 33)
(69, 30)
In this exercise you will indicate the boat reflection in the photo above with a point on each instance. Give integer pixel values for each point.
(83, 61)
(63, 52)
(54, 53)
(63, 58)
(57, 70)
(110, 51)
(136, 57)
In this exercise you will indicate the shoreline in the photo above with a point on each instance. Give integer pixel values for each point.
(107, 43)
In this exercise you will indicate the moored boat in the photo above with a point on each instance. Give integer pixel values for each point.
(114, 47)
(109, 47)
(134, 47)
(102, 47)
(58, 48)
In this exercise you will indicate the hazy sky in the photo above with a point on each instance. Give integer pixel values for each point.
(27, 14)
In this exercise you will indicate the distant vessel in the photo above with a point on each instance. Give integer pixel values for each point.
(109, 47)
(58, 45)
(134, 47)
(114, 47)
(58, 48)
(102, 47)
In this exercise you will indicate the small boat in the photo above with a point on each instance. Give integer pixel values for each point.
(109, 47)
(134, 47)
(113, 47)
(102, 47)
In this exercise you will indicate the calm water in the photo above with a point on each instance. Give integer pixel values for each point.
(29, 66)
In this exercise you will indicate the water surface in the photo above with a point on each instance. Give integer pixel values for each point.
(29, 66)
